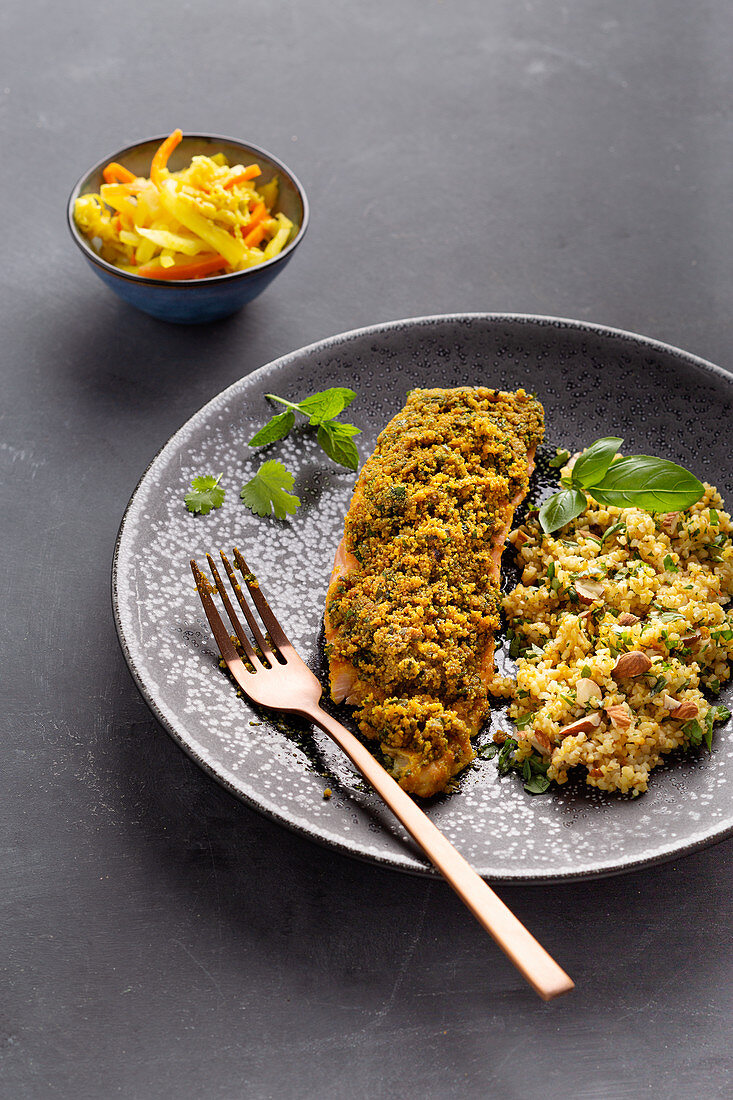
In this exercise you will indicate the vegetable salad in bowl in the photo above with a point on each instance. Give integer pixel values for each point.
(209, 218)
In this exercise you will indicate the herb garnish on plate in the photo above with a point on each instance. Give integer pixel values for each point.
(636, 481)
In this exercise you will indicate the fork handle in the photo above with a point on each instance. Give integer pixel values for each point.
(530, 958)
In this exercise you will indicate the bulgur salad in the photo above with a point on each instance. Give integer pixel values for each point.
(622, 639)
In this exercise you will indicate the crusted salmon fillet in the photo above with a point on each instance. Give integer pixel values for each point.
(413, 602)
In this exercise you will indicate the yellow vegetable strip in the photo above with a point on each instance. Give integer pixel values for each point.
(280, 239)
(269, 192)
(165, 238)
(145, 252)
(129, 238)
(219, 240)
(118, 197)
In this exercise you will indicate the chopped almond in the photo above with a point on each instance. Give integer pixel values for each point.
(587, 689)
(627, 619)
(634, 663)
(669, 522)
(686, 710)
(589, 591)
(540, 741)
(582, 725)
(619, 715)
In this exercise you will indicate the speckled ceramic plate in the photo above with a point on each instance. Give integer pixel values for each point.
(592, 382)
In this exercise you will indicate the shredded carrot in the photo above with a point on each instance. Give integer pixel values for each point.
(117, 173)
(162, 154)
(249, 173)
(257, 225)
(255, 235)
(196, 269)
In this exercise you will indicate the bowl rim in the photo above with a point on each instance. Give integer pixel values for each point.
(176, 285)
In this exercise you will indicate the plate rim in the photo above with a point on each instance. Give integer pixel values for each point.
(398, 862)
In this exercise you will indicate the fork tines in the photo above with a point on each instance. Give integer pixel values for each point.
(269, 645)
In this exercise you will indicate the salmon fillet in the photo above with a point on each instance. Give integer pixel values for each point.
(413, 602)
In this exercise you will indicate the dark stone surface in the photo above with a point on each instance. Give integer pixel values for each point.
(157, 938)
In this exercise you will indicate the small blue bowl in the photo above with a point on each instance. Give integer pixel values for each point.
(194, 301)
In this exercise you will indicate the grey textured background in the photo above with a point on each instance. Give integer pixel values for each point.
(157, 938)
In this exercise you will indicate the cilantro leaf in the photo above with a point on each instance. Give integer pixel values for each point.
(205, 493)
(276, 428)
(266, 492)
(335, 439)
(327, 404)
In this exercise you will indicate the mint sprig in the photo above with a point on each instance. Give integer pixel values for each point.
(636, 481)
(321, 409)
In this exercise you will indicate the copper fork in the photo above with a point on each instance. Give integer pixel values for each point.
(279, 680)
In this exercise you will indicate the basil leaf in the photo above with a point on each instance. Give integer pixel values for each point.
(652, 484)
(275, 428)
(560, 459)
(592, 465)
(561, 508)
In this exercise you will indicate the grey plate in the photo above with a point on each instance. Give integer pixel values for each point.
(592, 381)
